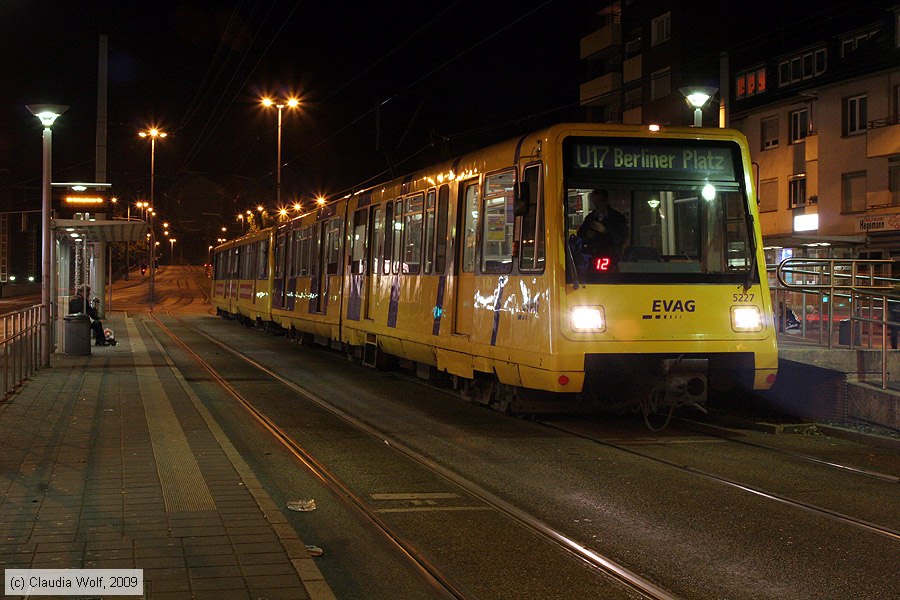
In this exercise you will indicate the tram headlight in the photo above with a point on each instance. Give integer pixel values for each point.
(746, 318)
(587, 318)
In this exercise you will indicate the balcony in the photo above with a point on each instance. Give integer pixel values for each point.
(632, 68)
(595, 91)
(812, 147)
(602, 40)
(883, 137)
(632, 116)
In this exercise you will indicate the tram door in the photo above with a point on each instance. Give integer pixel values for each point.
(319, 278)
(465, 263)
(280, 291)
(359, 257)
(374, 252)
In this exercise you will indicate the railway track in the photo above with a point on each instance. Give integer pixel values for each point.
(633, 584)
(556, 532)
(773, 496)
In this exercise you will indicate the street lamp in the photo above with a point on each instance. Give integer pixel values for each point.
(47, 113)
(241, 219)
(697, 97)
(279, 104)
(172, 247)
(152, 133)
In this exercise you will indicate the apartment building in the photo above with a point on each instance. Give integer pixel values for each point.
(823, 123)
(814, 87)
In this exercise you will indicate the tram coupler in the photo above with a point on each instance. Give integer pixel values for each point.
(684, 382)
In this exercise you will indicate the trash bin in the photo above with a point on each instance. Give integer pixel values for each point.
(77, 330)
(844, 333)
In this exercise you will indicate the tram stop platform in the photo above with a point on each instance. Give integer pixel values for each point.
(108, 461)
(838, 384)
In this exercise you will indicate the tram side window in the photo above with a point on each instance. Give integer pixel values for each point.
(332, 246)
(388, 237)
(296, 254)
(303, 252)
(497, 237)
(358, 242)
(440, 247)
(412, 230)
(377, 238)
(470, 222)
(233, 263)
(397, 236)
(279, 255)
(737, 236)
(428, 245)
(248, 253)
(288, 254)
(262, 262)
(532, 256)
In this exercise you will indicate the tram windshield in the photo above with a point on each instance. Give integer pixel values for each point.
(658, 210)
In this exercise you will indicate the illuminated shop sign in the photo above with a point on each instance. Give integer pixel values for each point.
(83, 200)
(876, 223)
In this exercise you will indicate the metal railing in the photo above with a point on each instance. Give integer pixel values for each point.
(20, 342)
(859, 294)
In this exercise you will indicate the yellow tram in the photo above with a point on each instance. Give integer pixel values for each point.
(474, 268)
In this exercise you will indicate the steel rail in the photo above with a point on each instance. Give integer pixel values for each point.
(430, 572)
(591, 558)
(710, 429)
(821, 511)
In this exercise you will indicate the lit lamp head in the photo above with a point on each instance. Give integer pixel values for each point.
(279, 104)
(698, 96)
(47, 113)
(153, 133)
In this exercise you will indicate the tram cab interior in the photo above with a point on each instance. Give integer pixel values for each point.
(676, 230)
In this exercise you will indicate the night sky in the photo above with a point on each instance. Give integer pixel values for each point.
(385, 88)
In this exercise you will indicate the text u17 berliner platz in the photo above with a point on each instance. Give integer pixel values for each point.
(71, 582)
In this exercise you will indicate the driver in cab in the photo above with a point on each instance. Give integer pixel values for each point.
(604, 230)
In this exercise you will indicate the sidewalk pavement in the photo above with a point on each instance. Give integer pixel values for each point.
(106, 462)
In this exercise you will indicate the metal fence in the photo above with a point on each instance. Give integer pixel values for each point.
(852, 303)
(20, 341)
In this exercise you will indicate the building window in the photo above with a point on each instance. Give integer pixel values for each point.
(767, 195)
(799, 125)
(769, 133)
(661, 29)
(853, 191)
(660, 83)
(854, 114)
(804, 65)
(750, 83)
(797, 190)
(851, 43)
(894, 180)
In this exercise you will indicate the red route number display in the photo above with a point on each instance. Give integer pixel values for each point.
(602, 264)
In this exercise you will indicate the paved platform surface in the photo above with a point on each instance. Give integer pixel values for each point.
(109, 461)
